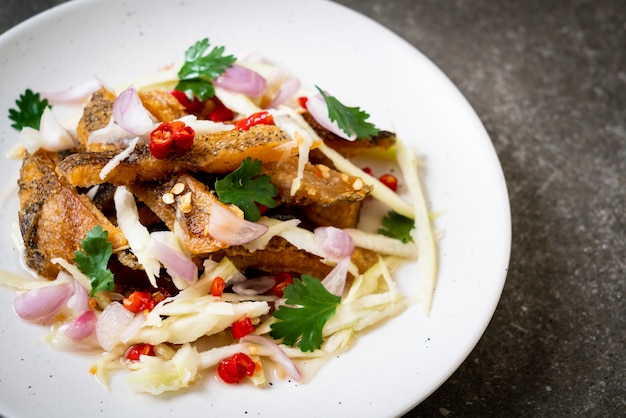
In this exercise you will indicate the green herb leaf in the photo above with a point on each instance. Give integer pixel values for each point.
(302, 325)
(244, 186)
(397, 226)
(30, 107)
(351, 120)
(200, 69)
(95, 258)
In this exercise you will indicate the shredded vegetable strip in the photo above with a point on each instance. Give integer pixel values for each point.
(422, 233)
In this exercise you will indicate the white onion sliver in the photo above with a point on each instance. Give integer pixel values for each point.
(275, 353)
(82, 327)
(73, 94)
(256, 286)
(111, 324)
(42, 304)
(51, 135)
(240, 79)
(225, 226)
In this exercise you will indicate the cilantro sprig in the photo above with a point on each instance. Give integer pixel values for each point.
(351, 120)
(245, 187)
(302, 323)
(94, 258)
(200, 69)
(397, 226)
(30, 107)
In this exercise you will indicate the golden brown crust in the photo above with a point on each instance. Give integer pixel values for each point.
(220, 152)
(96, 115)
(194, 201)
(162, 105)
(53, 217)
(281, 256)
(320, 185)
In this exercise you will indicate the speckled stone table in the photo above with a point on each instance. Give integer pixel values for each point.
(548, 80)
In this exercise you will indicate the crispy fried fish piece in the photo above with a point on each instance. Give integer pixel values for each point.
(162, 105)
(190, 199)
(281, 256)
(340, 215)
(220, 152)
(53, 217)
(96, 114)
(320, 184)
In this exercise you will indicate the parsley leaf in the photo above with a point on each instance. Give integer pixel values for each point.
(397, 226)
(244, 186)
(30, 107)
(95, 258)
(351, 120)
(196, 75)
(303, 325)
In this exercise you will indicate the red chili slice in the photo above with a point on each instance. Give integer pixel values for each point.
(233, 369)
(217, 286)
(258, 118)
(171, 137)
(138, 302)
(136, 351)
(282, 280)
(241, 328)
(220, 113)
(390, 181)
(191, 106)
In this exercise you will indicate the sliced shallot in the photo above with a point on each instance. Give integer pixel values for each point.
(286, 91)
(78, 302)
(83, 326)
(256, 286)
(42, 304)
(335, 281)
(225, 226)
(334, 241)
(129, 113)
(275, 353)
(240, 79)
(178, 265)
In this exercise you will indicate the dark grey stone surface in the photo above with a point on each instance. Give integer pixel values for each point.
(548, 80)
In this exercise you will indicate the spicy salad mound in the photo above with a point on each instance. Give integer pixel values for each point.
(216, 216)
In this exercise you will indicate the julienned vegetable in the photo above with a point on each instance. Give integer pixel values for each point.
(265, 260)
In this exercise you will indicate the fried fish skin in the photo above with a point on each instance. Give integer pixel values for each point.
(320, 185)
(54, 218)
(193, 203)
(220, 152)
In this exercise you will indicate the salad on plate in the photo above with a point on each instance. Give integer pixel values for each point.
(215, 216)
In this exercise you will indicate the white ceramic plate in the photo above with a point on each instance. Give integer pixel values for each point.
(388, 370)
